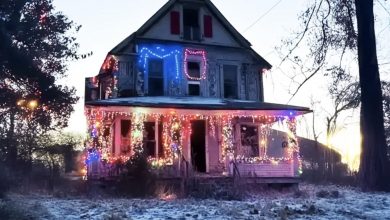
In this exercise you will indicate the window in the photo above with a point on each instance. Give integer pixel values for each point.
(208, 26)
(125, 136)
(249, 141)
(191, 24)
(149, 139)
(156, 78)
(230, 81)
(193, 89)
(193, 69)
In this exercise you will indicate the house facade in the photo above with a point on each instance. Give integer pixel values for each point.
(187, 88)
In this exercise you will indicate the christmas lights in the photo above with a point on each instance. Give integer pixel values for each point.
(227, 137)
(137, 129)
(193, 54)
(110, 64)
(169, 54)
(176, 126)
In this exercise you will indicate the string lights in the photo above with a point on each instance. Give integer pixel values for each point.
(170, 55)
(110, 64)
(227, 137)
(137, 129)
(176, 126)
(193, 54)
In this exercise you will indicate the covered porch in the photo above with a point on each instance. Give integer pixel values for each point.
(184, 136)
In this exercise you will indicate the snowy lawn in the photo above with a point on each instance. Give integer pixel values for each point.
(310, 202)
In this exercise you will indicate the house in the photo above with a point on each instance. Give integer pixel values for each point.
(187, 88)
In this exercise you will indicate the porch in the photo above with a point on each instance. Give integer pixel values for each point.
(212, 138)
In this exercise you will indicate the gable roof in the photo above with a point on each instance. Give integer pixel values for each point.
(210, 6)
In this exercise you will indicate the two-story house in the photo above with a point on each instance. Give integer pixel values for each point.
(187, 86)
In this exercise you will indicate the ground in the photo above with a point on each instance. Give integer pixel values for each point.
(310, 202)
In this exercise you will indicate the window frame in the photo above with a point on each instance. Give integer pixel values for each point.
(193, 82)
(149, 76)
(223, 80)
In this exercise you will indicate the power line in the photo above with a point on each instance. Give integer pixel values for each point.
(263, 15)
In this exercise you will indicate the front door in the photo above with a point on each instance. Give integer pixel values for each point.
(198, 145)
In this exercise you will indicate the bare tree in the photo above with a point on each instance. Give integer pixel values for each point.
(332, 29)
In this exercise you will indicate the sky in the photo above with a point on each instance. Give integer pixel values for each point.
(105, 23)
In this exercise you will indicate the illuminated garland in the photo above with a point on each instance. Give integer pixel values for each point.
(137, 129)
(159, 162)
(227, 137)
(198, 52)
(175, 127)
(212, 130)
(293, 141)
(110, 64)
(161, 52)
(262, 160)
(176, 136)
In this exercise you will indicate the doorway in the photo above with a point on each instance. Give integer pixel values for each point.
(198, 145)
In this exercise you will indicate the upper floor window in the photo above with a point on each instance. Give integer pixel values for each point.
(191, 24)
(193, 69)
(230, 81)
(155, 77)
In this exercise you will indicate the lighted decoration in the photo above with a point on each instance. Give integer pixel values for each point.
(170, 55)
(227, 137)
(176, 135)
(195, 53)
(110, 64)
(137, 129)
(175, 126)
(263, 160)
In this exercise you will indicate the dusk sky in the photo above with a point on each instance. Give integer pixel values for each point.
(264, 23)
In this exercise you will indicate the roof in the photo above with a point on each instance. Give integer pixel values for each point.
(201, 103)
(213, 9)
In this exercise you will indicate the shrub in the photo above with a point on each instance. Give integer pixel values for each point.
(137, 180)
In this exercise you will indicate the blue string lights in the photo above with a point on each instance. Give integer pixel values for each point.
(169, 54)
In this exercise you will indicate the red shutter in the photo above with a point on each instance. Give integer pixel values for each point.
(175, 22)
(208, 26)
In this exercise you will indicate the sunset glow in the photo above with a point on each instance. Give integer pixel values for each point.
(347, 142)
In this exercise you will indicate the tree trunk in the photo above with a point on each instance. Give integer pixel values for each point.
(373, 162)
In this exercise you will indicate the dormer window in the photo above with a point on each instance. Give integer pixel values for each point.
(191, 24)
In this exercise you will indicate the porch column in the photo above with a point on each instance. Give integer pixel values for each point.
(293, 146)
(227, 142)
(137, 130)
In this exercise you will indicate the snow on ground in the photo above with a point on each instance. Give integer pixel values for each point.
(311, 202)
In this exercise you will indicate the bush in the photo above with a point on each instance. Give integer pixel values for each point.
(138, 180)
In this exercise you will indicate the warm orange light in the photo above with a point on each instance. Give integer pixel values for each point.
(175, 126)
(32, 104)
(20, 102)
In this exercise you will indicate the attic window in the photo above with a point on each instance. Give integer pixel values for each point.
(191, 24)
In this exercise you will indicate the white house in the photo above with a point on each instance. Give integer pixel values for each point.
(188, 87)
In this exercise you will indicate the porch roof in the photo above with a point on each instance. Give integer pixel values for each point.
(198, 103)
